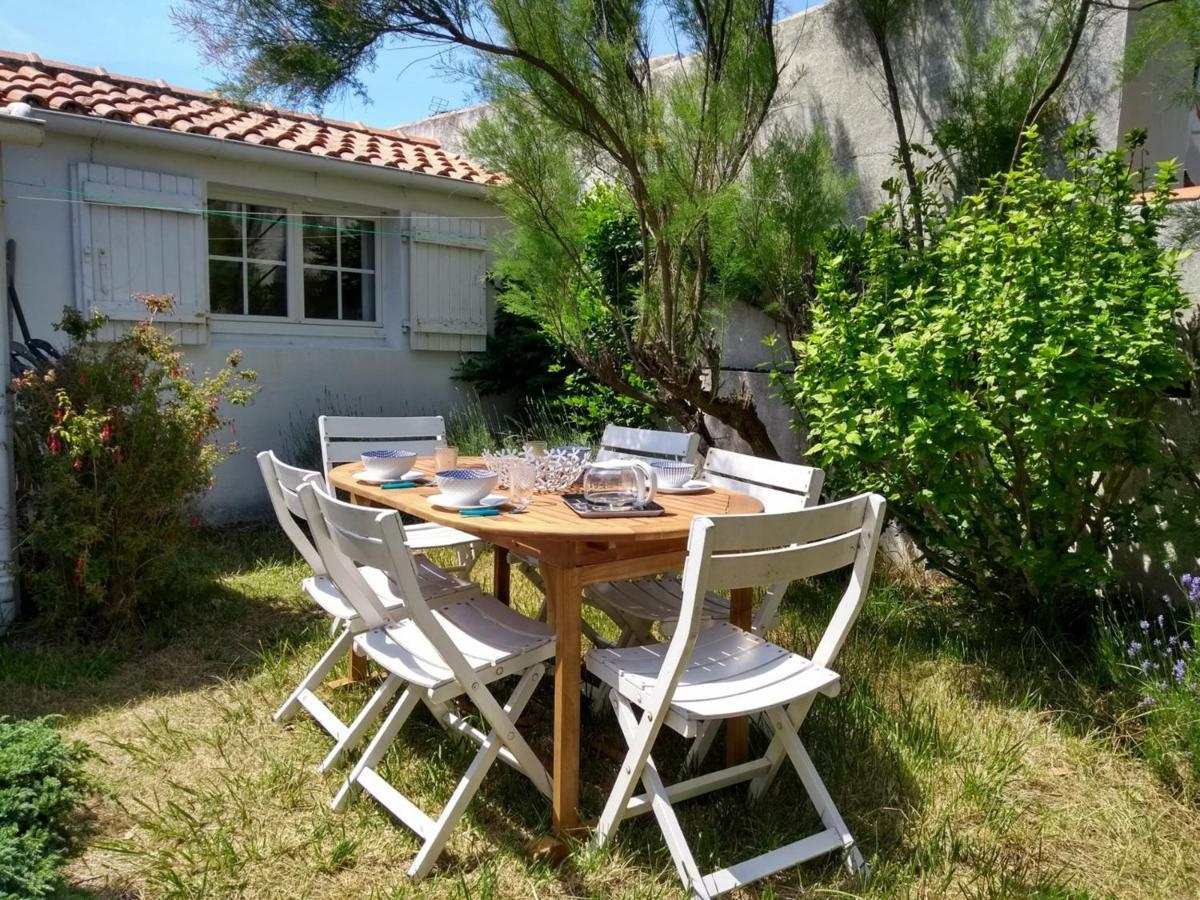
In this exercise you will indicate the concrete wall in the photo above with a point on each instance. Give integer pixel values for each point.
(376, 372)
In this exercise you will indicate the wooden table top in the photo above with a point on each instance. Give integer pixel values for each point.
(548, 517)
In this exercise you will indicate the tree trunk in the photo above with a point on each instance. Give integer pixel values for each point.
(902, 143)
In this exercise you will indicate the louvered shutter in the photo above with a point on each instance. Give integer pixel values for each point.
(447, 284)
(140, 232)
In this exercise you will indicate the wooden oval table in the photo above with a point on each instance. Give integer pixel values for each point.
(573, 552)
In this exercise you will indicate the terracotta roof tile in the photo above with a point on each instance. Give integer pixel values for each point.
(62, 87)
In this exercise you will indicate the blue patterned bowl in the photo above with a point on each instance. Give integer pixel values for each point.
(467, 486)
(386, 465)
(672, 474)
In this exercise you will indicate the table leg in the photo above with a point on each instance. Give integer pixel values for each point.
(501, 584)
(737, 731)
(564, 601)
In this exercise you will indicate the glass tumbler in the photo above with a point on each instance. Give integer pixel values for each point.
(445, 458)
(522, 481)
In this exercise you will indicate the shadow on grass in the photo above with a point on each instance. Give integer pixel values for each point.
(237, 601)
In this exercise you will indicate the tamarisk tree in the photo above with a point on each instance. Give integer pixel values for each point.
(576, 99)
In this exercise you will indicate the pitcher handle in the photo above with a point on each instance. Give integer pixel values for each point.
(648, 483)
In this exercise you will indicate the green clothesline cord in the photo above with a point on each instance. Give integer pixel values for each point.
(77, 197)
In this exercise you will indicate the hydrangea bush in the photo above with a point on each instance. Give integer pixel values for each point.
(113, 446)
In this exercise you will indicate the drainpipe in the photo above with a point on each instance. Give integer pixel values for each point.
(17, 126)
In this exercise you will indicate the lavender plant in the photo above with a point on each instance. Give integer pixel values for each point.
(1163, 663)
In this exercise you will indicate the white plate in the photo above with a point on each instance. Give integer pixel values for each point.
(413, 475)
(442, 502)
(689, 487)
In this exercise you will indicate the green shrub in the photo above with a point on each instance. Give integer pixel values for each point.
(113, 447)
(41, 786)
(998, 382)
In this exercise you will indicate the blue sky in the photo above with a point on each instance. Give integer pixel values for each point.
(137, 37)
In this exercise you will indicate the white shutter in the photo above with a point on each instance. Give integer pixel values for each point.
(447, 286)
(139, 232)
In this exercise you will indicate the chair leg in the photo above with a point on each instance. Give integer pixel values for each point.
(702, 744)
(315, 676)
(813, 785)
(472, 779)
(776, 751)
(365, 718)
(647, 771)
(378, 747)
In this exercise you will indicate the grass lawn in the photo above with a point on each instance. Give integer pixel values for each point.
(966, 765)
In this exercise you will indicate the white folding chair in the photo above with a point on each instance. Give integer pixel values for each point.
(637, 604)
(283, 482)
(721, 672)
(436, 654)
(345, 438)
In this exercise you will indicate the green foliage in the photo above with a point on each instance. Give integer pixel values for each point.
(998, 385)
(42, 784)
(1000, 69)
(767, 242)
(1166, 47)
(113, 447)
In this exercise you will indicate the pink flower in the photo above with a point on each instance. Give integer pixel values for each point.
(78, 464)
(105, 433)
(54, 444)
(58, 416)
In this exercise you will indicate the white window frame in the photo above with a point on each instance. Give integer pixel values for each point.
(339, 269)
(295, 322)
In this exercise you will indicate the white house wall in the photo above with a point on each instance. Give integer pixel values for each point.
(377, 372)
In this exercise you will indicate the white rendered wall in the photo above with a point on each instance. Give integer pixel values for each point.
(377, 372)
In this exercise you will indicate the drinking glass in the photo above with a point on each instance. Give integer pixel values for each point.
(445, 458)
(522, 481)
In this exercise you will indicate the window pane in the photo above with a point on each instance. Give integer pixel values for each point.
(225, 229)
(266, 233)
(320, 240)
(320, 294)
(224, 286)
(358, 244)
(267, 290)
(358, 297)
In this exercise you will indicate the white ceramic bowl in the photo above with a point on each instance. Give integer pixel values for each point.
(467, 486)
(673, 474)
(386, 465)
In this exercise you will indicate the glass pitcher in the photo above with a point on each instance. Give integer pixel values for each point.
(619, 484)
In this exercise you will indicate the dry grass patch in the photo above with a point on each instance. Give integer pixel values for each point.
(956, 781)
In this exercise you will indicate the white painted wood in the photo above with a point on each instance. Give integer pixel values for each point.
(345, 438)
(781, 487)
(140, 232)
(438, 652)
(447, 284)
(719, 672)
(619, 442)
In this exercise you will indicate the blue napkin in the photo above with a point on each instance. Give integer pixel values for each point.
(388, 485)
(489, 511)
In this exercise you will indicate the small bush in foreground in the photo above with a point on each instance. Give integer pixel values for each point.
(998, 381)
(113, 447)
(41, 787)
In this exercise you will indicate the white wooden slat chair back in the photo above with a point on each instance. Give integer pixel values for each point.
(779, 486)
(619, 442)
(283, 481)
(419, 647)
(741, 551)
(345, 535)
(345, 438)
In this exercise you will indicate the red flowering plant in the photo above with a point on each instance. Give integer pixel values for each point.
(114, 446)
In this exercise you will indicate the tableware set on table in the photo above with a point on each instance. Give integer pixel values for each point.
(613, 487)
